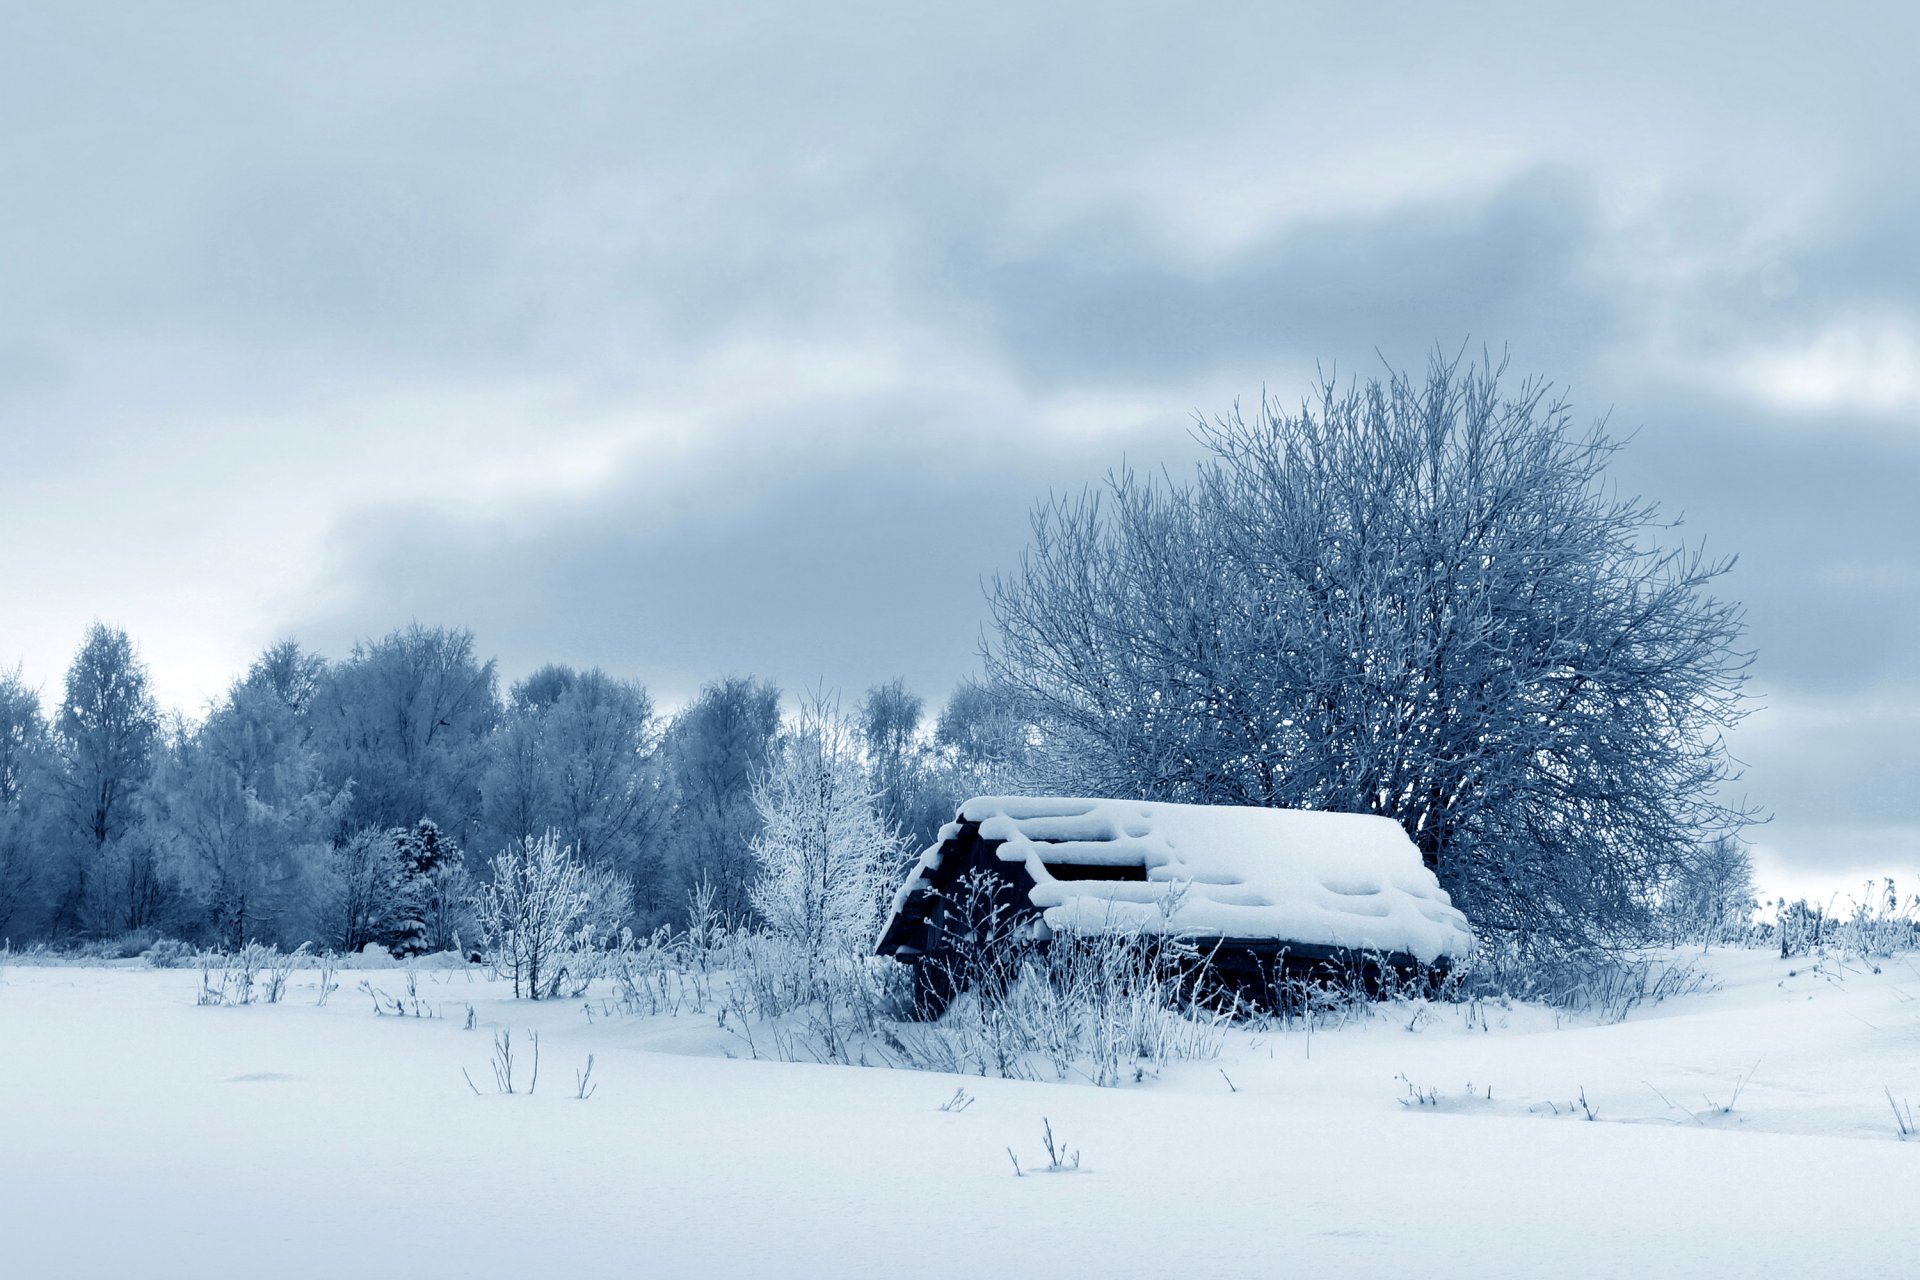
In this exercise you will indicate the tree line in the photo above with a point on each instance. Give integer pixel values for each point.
(360, 801)
(1419, 597)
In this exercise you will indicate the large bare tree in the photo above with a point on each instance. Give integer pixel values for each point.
(1414, 597)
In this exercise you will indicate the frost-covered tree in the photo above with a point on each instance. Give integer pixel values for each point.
(533, 914)
(912, 793)
(983, 740)
(292, 675)
(240, 803)
(822, 850)
(431, 890)
(714, 750)
(25, 777)
(579, 755)
(405, 720)
(1414, 598)
(104, 737)
(1710, 896)
(358, 896)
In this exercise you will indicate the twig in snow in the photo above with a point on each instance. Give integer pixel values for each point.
(584, 1087)
(1903, 1122)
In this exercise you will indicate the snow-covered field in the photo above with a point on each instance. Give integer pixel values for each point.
(141, 1135)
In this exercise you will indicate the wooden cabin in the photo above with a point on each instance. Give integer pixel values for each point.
(1263, 894)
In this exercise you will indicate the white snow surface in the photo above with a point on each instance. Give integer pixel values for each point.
(143, 1136)
(1304, 876)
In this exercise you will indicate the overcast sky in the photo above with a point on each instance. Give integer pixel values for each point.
(694, 340)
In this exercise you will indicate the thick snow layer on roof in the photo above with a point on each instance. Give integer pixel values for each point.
(1303, 876)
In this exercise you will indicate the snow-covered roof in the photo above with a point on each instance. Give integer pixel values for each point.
(1303, 876)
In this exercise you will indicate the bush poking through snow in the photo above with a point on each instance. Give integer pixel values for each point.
(169, 953)
(1605, 986)
(545, 918)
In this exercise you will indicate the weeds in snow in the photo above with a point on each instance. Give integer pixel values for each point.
(1606, 987)
(409, 1006)
(329, 965)
(1581, 1107)
(1059, 1158)
(254, 973)
(1739, 1082)
(1902, 1117)
(959, 1102)
(1108, 1010)
(1880, 923)
(1416, 1096)
(1713, 1108)
(505, 1064)
(583, 1085)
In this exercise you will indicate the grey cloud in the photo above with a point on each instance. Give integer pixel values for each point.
(1851, 764)
(864, 563)
(1102, 303)
(1823, 522)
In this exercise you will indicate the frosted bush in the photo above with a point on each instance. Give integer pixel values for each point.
(822, 847)
(169, 953)
(546, 920)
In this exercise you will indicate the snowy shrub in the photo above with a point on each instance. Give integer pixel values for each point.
(1798, 926)
(1106, 1009)
(122, 946)
(540, 923)
(1109, 1010)
(1882, 923)
(1877, 924)
(1606, 987)
(407, 1006)
(169, 953)
(662, 973)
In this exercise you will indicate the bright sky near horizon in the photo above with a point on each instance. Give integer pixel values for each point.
(690, 340)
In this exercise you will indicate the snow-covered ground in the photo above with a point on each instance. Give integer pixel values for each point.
(141, 1135)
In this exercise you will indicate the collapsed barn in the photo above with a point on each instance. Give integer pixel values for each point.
(1262, 894)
